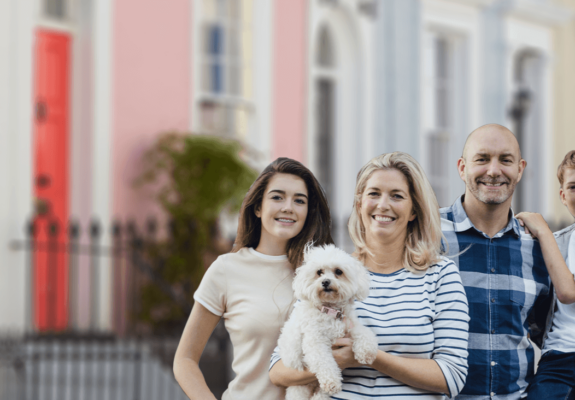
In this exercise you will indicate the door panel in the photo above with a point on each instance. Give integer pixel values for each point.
(52, 55)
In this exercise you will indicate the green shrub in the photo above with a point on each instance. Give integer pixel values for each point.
(194, 178)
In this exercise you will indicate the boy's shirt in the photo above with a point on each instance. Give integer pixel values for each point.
(560, 332)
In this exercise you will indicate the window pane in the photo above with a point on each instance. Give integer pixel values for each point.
(442, 106)
(234, 78)
(443, 83)
(217, 84)
(438, 149)
(324, 109)
(233, 42)
(55, 8)
(212, 79)
(325, 56)
(206, 77)
(442, 57)
(206, 38)
(216, 40)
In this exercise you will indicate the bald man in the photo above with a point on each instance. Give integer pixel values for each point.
(501, 267)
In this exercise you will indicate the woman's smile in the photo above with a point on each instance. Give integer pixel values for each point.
(286, 221)
(383, 219)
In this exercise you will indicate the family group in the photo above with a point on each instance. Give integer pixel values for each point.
(457, 295)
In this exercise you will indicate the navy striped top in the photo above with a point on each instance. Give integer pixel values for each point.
(414, 315)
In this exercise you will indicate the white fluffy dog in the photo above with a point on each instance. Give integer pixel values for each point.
(327, 284)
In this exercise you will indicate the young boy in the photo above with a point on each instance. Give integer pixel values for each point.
(555, 378)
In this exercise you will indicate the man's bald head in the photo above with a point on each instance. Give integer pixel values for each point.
(491, 165)
(489, 129)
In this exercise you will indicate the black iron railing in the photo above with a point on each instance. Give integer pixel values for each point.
(64, 354)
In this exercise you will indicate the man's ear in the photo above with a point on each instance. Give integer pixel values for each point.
(522, 165)
(461, 168)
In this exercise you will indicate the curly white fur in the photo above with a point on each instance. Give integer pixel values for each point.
(328, 277)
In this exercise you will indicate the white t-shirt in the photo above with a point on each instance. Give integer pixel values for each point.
(561, 336)
(253, 294)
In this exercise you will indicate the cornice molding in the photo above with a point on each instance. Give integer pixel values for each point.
(538, 11)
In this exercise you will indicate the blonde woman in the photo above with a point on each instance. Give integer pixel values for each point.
(416, 306)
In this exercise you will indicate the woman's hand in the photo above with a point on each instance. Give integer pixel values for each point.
(343, 353)
(534, 224)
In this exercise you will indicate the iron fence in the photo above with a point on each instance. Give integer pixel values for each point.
(64, 353)
(72, 367)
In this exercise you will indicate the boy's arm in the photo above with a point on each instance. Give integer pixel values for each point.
(561, 277)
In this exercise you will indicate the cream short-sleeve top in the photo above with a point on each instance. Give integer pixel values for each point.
(252, 292)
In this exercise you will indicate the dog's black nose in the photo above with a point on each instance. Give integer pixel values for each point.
(326, 283)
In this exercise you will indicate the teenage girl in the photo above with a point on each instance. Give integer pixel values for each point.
(251, 287)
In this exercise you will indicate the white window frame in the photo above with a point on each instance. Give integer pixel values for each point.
(450, 135)
(230, 103)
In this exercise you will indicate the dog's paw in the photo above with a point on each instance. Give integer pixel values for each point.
(365, 352)
(330, 386)
(365, 358)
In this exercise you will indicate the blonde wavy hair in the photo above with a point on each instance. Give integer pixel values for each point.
(423, 245)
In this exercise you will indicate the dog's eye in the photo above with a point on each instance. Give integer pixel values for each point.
(338, 272)
(319, 272)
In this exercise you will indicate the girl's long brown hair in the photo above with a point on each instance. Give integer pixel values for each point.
(317, 224)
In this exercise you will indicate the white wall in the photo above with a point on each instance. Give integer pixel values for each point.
(16, 50)
(397, 48)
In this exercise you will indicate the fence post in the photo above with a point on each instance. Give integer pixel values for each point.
(52, 275)
(137, 369)
(94, 254)
(31, 276)
(74, 234)
(117, 262)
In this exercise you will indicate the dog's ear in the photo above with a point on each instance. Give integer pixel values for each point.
(363, 281)
(299, 284)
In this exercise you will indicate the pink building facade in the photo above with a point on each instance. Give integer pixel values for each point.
(131, 71)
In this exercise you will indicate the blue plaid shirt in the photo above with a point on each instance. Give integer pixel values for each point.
(505, 278)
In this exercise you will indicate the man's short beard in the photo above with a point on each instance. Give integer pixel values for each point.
(473, 187)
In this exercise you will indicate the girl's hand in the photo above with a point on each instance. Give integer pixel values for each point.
(533, 223)
(343, 354)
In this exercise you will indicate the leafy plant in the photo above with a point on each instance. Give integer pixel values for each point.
(194, 178)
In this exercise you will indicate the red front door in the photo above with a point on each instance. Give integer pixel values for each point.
(52, 56)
